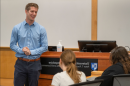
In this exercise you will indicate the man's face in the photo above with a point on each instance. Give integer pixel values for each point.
(31, 14)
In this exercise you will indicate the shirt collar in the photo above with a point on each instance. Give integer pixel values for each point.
(24, 22)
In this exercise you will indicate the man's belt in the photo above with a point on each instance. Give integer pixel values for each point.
(28, 60)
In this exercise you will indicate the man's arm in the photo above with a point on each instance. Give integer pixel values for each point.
(14, 40)
(43, 43)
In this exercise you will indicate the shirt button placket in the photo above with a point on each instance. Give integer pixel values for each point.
(28, 40)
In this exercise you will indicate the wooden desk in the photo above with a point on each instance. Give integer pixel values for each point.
(95, 74)
(103, 63)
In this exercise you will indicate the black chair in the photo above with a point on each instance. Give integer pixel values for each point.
(108, 80)
(89, 83)
(121, 80)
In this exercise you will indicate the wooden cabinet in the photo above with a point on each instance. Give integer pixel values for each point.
(103, 63)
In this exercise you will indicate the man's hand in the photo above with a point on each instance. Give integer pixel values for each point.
(26, 51)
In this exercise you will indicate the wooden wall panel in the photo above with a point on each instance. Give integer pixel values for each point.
(94, 20)
(7, 61)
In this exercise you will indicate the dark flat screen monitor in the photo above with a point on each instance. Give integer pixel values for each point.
(96, 46)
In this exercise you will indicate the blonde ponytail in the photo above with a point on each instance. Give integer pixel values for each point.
(69, 60)
(72, 72)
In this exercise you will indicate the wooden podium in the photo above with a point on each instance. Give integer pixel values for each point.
(103, 63)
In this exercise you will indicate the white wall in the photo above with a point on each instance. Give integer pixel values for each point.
(66, 20)
(114, 21)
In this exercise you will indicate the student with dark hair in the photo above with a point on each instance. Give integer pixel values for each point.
(70, 74)
(120, 61)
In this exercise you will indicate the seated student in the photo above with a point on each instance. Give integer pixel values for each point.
(70, 74)
(120, 61)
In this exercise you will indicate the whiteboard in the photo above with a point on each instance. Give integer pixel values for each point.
(114, 21)
(66, 20)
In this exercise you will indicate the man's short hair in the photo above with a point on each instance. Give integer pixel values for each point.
(31, 5)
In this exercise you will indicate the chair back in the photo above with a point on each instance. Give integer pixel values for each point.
(121, 80)
(89, 83)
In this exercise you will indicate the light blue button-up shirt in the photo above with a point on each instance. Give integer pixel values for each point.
(32, 36)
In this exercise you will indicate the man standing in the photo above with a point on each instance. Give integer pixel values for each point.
(32, 42)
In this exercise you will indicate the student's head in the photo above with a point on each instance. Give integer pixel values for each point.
(31, 11)
(69, 60)
(120, 54)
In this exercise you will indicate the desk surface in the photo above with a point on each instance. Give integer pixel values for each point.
(91, 55)
(95, 74)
